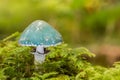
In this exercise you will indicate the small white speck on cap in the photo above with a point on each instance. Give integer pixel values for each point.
(27, 31)
(51, 45)
(32, 44)
(57, 37)
(26, 42)
(46, 39)
(39, 23)
(22, 39)
(53, 41)
(37, 29)
(41, 43)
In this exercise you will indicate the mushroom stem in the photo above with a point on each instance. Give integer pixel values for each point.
(39, 55)
(39, 58)
(40, 49)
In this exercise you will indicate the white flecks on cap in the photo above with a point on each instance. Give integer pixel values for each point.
(46, 39)
(53, 41)
(26, 42)
(27, 31)
(37, 29)
(39, 23)
(41, 45)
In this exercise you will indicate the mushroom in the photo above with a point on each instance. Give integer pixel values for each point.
(40, 35)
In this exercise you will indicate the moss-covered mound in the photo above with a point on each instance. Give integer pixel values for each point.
(62, 63)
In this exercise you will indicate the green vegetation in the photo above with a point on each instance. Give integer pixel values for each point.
(81, 22)
(62, 63)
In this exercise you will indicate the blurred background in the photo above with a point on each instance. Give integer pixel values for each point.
(94, 24)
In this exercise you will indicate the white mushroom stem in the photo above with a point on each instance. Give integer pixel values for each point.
(40, 49)
(39, 55)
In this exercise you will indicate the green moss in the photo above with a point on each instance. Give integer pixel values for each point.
(62, 63)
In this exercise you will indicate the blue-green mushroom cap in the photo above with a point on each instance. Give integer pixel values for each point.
(40, 33)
